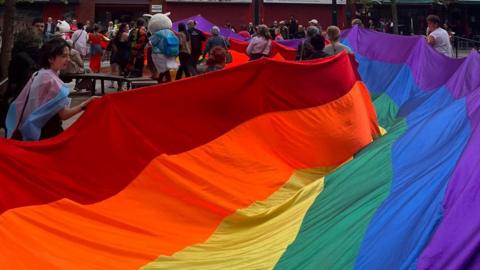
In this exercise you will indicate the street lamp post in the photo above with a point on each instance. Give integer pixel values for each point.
(334, 12)
(256, 12)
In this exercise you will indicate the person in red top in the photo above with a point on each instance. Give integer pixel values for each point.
(95, 39)
(73, 28)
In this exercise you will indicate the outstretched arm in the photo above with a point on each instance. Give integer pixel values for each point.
(68, 112)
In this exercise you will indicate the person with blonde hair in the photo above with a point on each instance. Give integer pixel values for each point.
(333, 33)
(185, 57)
(260, 45)
(96, 51)
(357, 22)
(278, 34)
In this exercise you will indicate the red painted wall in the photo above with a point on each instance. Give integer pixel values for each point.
(218, 13)
(85, 11)
(303, 13)
(56, 11)
(237, 14)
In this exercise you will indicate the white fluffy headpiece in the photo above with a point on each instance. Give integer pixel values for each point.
(159, 22)
(63, 26)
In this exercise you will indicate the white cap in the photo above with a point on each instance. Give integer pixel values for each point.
(313, 21)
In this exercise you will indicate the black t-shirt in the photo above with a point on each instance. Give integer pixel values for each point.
(304, 50)
(22, 65)
(316, 55)
(196, 39)
(300, 35)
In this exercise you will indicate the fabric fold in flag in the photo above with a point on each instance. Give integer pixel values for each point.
(170, 171)
(128, 130)
(265, 165)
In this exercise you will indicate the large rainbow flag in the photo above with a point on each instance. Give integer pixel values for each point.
(239, 169)
(145, 176)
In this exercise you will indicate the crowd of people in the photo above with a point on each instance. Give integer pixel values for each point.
(45, 50)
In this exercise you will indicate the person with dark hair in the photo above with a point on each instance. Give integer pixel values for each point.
(74, 25)
(438, 37)
(95, 39)
(38, 28)
(121, 49)
(138, 40)
(88, 26)
(186, 61)
(196, 39)
(293, 27)
(25, 54)
(24, 62)
(38, 23)
(251, 28)
(300, 33)
(80, 26)
(38, 111)
(305, 49)
(318, 44)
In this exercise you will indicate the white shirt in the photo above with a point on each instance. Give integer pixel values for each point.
(50, 28)
(442, 42)
(79, 39)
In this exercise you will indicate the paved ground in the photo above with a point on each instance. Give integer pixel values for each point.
(462, 53)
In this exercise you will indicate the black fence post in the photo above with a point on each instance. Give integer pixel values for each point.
(456, 47)
(334, 12)
(256, 12)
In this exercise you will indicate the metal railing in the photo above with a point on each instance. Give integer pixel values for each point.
(461, 43)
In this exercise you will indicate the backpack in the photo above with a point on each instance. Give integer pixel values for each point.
(169, 44)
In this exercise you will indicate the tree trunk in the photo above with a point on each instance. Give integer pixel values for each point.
(394, 16)
(7, 37)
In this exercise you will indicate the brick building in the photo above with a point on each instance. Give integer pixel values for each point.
(236, 12)
(463, 16)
